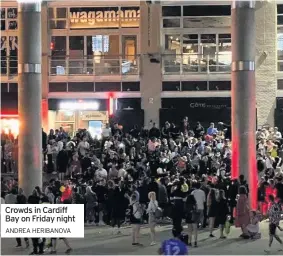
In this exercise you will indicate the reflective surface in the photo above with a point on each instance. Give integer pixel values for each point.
(196, 63)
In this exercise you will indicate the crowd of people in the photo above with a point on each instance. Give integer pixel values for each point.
(178, 173)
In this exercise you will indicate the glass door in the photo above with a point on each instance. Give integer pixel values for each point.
(129, 51)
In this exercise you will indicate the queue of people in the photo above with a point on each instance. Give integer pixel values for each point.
(178, 173)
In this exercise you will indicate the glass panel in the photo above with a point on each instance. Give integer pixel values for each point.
(12, 24)
(4, 87)
(57, 87)
(58, 53)
(13, 43)
(65, 116)
(190, 53)
(3, 13)
(76, 53)
(168, 11)
(225, 52)
(280, 84)
(107, 87)
(279, 8)
(207, 10)
(172, 59)
(194, 86)
(129, 50)
(57, 24)
(13, 87)
(280, 66)
(279, 20)
(220, 85)
(131, 86)
(81, 87)
(3, 25)
(12, 13)
(171, 23)
(3, 55)
(61, 13)
(58, 46)
(130, 17)
(67, 127)
(171, 86)
(280, 46)
(208, 52)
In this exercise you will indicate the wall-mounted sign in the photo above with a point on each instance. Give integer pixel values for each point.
(110, 17)
(94, 115)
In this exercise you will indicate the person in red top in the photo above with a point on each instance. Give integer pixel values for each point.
(269, 190)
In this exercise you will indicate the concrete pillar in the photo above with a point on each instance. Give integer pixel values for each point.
(29, 69)
(151, 77)
(266, 65)
(244, 95)
(45, 38)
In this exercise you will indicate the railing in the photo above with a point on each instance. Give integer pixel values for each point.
(196, 63)
(94, 65)
(9, 66)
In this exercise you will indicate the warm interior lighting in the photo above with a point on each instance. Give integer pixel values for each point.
(79, 105)
(10, 126)
(111, 105)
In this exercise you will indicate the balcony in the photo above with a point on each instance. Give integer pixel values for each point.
(94, 66)
(196, 63)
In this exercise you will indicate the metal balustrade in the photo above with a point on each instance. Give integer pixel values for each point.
(196, 63)
(94, 65)
(129, 65)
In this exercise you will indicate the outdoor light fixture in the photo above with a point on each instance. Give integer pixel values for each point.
(93, 105)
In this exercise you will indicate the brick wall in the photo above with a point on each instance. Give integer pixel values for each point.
(266, 61)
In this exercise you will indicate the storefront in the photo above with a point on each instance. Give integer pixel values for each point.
(72, 115)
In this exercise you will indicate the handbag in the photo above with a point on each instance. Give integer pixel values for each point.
(158, 213)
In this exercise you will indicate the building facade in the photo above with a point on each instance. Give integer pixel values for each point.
(136, 62)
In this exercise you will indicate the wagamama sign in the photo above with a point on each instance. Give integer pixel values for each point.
(102, 19)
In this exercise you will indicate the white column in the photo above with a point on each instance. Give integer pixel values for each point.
(29, 68)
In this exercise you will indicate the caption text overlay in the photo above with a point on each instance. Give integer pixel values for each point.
(42, 220)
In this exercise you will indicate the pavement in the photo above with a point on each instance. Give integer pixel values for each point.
(101, 241)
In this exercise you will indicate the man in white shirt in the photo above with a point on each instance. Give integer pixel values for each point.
(277, 135)
(101, 174)
(83, 146)
(106, 132)
(200, 198)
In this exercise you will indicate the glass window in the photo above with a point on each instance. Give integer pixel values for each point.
(12, 24)
(171, 23)
(76, 43)
(3, 13)
(280, 20)
(103, 45)
(65, 116)
(57, 87)
(107, 87)
(171, 86)
(280, 84)
(280, 66)
(224, 48)
(171, 11)
(57, 13)
(131, 86)
(207, 10)
(12, 13)
(220, 85)
(280, 45)
(13, 87)
(4, 87)
(3, 55)
(58, 46)
(279, 8)
(57, 24)
(3, 25)
(190, 44)
(194, 86)
(81, 87)
(208, 45)
(13, 44)
(172, 44)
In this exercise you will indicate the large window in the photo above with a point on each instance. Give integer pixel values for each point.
(13, 45)
(9, 55)
(4, 55)
(58, 52)
(9, 18)
(197, 52)
(57, 18)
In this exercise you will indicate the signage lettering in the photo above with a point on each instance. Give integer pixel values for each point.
(204, 105)
(12, 44)
(92, 18)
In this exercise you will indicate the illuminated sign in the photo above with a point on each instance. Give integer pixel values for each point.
(104, 17)
(79, 105)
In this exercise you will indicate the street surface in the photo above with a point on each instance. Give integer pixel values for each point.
(100, 241)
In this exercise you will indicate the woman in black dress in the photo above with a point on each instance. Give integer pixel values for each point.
(192, 219)
(222, 212)
(212, 205)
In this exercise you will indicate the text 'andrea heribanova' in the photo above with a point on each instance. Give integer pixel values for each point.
(38, 219)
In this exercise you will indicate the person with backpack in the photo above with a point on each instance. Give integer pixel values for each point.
(274, 214)
(136, 213)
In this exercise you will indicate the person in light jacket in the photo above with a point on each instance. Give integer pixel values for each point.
(151, 209)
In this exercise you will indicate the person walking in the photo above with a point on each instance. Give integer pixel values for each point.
(151, 210)
(91, 203)
(192, 219)
(135, 218)
(222, 212)
(274, 214)
(212, 210)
